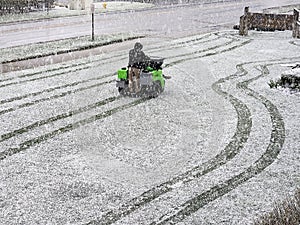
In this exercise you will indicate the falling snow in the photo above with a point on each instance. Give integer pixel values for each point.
(218, 146)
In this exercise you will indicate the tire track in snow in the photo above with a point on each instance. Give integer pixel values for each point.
(58, 87)
(32, 94)
(111, 59)
(41, 71)
(275, 144)
(27, 144)
(63, 94)
(22, 130)
(237, 180)
(236, 144)
(72, 126)
(196, 172)
(196, 40)
(27, 104)
(209, 53)
(44, 77)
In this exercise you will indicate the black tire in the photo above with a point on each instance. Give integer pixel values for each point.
(156, 89)
(124, 90)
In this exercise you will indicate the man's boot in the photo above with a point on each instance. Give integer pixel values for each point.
(130, 85)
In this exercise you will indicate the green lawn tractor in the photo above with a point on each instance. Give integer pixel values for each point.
(152, 80)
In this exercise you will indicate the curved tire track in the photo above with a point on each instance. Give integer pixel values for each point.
(22, 130)
(27, 104)
(70, 84)
(61, 94)
(39, 72)
(110, 59)
(44, 77)
(238, 140)
(27, 144)
(271, 153)
(236, 144)
(64, 86)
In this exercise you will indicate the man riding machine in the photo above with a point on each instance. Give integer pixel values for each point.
(137, 61)
(143, 77)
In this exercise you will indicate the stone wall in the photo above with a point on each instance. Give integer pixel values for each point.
(262, 21)
(269, 22)
(296, 24)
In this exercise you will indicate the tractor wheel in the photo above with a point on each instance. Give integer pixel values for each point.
(156, 89)
(121, 91)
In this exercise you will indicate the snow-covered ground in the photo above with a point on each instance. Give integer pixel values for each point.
(292, 72)
(218, 146)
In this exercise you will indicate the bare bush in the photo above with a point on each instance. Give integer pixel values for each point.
(284, 213)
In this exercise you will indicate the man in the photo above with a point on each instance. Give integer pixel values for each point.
(137, 61)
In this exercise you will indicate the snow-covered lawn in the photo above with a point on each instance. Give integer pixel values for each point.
(218, 146)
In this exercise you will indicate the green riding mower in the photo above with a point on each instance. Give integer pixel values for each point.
(152, 80)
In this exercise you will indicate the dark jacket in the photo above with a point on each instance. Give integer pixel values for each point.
(137, 57)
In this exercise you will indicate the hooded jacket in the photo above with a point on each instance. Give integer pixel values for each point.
(137, 57)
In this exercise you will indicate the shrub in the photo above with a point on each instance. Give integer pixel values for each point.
(284, 213)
